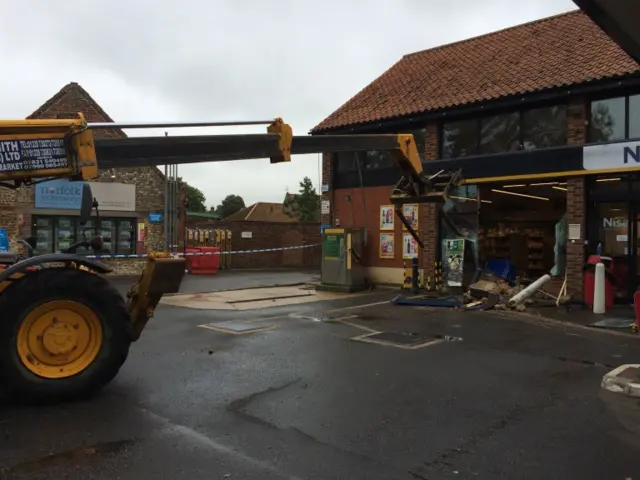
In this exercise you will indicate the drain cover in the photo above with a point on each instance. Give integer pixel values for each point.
(236, 327)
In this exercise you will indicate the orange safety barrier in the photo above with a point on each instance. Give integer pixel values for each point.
(203, 264)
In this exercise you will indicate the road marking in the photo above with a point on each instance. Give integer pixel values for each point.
(365, 339)
(184, 431)
(364, 305)
(360, 327)
(221, 329)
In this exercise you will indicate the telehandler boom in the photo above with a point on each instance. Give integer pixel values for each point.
(65, 331)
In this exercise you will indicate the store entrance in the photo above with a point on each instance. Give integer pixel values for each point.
(617, 239)
(614, 229)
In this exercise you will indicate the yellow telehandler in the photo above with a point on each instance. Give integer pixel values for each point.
(65, 331)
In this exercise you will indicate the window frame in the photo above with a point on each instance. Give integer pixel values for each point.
(478, 126)
(627, 94)
(589, 135)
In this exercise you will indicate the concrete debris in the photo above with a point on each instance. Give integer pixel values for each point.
(492, 284)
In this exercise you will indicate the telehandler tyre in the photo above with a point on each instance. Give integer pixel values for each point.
(64, 334)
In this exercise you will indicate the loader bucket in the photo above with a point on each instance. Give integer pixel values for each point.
(162, 275)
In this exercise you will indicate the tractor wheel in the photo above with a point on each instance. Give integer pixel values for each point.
(64, 334)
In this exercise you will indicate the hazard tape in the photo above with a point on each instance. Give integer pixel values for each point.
(204, 254)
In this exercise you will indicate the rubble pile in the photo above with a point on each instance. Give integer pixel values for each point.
(490, 284)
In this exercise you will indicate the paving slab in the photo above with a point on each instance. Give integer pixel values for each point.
(251, 299)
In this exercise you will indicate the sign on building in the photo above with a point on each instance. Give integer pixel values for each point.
(611, 155)
(155, 217)
(65, 195)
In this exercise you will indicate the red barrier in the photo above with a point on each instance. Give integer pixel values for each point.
(189, 259)
(204, 264)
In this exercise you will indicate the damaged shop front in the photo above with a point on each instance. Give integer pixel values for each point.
(507, 233)
(500, 235)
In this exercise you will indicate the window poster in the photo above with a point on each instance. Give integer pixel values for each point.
(386, 245)
(410, 212)
(386, 217)
(453, 259)
(409, 246)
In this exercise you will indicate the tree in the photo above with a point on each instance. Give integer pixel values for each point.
(305, 205)
(195, 198)
(230, 205)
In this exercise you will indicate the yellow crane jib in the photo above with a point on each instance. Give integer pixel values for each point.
(31, 149)
(284, 130)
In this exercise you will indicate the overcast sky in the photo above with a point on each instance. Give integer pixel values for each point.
(229, 60)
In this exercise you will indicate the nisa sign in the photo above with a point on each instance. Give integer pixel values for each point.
(632, 154)
(607, 156)
(614, 222)
(59, 194)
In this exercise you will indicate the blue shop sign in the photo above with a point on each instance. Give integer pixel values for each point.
(155, 217)
(4, 240)
(61, 194)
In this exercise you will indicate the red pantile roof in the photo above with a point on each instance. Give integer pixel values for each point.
(557, 51)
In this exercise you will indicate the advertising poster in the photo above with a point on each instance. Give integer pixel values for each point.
(453, 261)
(386, 217)
(410, 212)
(141, 232)
(386, 245)
(409, 247)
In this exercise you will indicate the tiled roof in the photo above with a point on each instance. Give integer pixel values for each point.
(73, 95)
(557, 51)
(262, 212)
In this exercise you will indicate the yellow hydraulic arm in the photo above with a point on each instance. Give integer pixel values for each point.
(33, 151)
(39, 150)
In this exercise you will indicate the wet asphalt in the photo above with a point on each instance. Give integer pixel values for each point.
(513, 397)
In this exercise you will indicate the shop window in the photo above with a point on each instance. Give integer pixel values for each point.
(634, 116)
(54, 234)
(460, 138)
(613, 228)
(43, 231)
(345, 162)
(500, 133)
(609, 186)
(420, 137)
(377, 159)
(65, 233)
(544, 127)
(608, 120)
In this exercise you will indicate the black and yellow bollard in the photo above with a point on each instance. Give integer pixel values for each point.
(408, 276)
(415, 276)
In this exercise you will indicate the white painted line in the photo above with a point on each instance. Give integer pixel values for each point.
(319, 319)
(232, 332)
(365, 339)
(364, 305)
(360, 327)
(168, 427)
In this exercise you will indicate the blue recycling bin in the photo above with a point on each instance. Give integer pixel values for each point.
(503, 268)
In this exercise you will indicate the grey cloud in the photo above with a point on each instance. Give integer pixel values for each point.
(237, 59)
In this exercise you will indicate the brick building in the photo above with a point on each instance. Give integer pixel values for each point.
(544, 121)
(49, 210)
